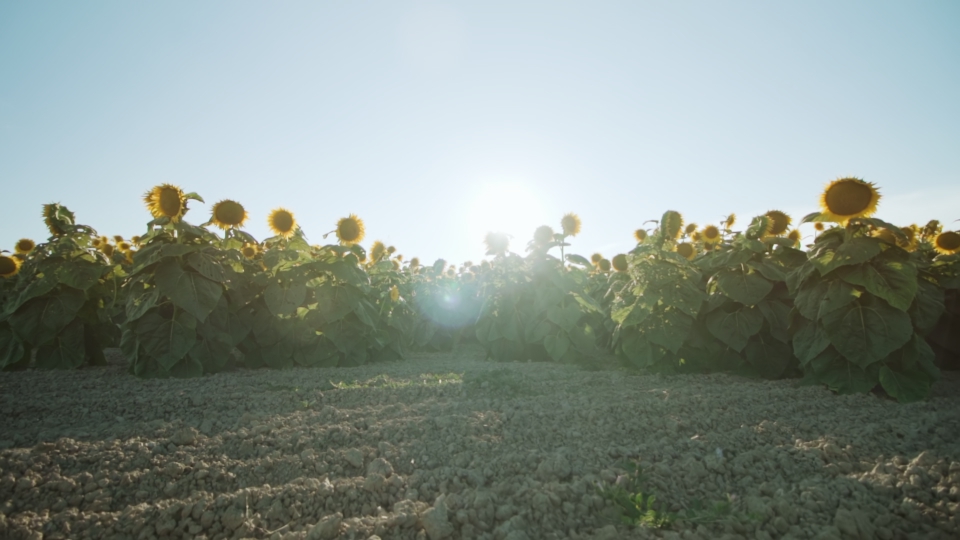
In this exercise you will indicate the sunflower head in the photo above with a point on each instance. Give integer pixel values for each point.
(394, 293)
(947, 242)
(932, 228)
(107, 249)
(696, 236)
(135, 240)
(57, 218)
(96, 242)
(780, 222)
(414, 262)
(847, 198)
(690, 228)
(497, 243)
(710, 234)
(399, 257)
(794, 236)
(124, 246)
(227, 214)
(281, 222)
(128, 256)
(886, 235)
(686, 250)
(350, 230)
(671, 224)
(570, 224)
(543, 235)
(912, 232)
(819, 226)
(377, 251)
(9, 266)
(395, 263)
(391, 250)
(24, 246)
(166, 200)
(729, 221)
(640, 235)
(760, 227)
(620, 262)
(117, 238)
(249, 250)
(596, 258)
(604, 265)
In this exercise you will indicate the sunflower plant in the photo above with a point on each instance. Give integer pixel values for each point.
(58, 298)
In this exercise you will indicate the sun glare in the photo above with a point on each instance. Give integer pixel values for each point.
(506, 206)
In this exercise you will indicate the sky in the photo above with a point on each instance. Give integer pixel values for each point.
(436, 122)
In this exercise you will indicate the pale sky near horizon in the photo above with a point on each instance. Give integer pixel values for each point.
(438, 121)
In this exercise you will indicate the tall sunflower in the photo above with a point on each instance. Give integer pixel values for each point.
(779, 222)
(604, 265)
(729, 221)
(24, 246)
(620, 262)
(847, 198)
(350, 230)
(640, 235)
(9, 266)
(596, 258)
(947, 243)
(671, 224)
(227, 214)
(414, 262)
(690, 228)
(166, 200)
(377, 251)
(497, 243)
(795, 237)
(55, 217)
(686, 250)
(710, 234)
(570, 224)
(912, 232)
(281, 222)
(249, 250)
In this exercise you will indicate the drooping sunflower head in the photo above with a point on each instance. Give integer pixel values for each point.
(281, 222)
(24, 246)
(117, 238)
(686, 250)
(932, 228)
(604, 265)
(96, 242)
(710, 234)
(124, 246)
(620, 262)
(249, 250)
(394, 293)
(596, 258)
(819, 226)
(543, 235)
(695, 237)
(671, 224)
(399, 257)
(497, 243)
(227, 214)
(350, 230)
(128, 256)
(729, 221)
(912, 232)
(780, 222)
(794, 236)
(570, 224)
(107, 249)
(847, 198)
(166, 200)
(395, 263)
(690, 228)
(760, 227)
(104, 240)
(377, 251)
(640, 235)
(135, 240)
(9, 266)
(947, 242)
(391, 250)
(414, 262)
(57, 217)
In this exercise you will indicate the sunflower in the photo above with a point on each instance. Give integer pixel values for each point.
(695, 236)
(570, 224)
(932, 228)
(729, 221)
(671, 224)
(543, 235)
(886, 235)
(228, 213)
(819, 226)
(947, 243)
(117, 238)
(350, 230)
(399, 257)
(281, 222)
(123, 246)
(414, 262)
(604, 265)
(620, 262)
(912, 232)
(640, 235)
(595, 258)
(794, 236)
(779, 222)
(95, 242)
(710, 234)
(52, 220)
(395, 263)
(24, 246)
(690, 228)
(135, 240)
(377, 251)
(128, 256)
(104, 240)
(394, 293)
(847, 198)
(249, 250)
(9, 266)
(107, 250)
(391, 250)
(166, 200)
(497, 243)
(686, 250)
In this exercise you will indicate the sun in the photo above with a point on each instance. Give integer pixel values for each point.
(508, 206)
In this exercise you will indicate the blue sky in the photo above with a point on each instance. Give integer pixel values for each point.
(436, 122)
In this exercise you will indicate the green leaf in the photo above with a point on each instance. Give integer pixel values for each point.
(66, 351)
(510, 327)
(816, 299)
(905, 387)
(565, 317)
(36, 288)
(284, 300)
(536, 332)
(11, 348)
(769, 357)
(684, 294)
(41, 319)
(637, 350)
(191, 292)
(868, 330)
(187, 368)
(916, 357)
(855, 251)
(809, 341)
(768, 270)
(587, 303)
(928, 306)
(211, 355)
(167, 340)
(895, 282)
(668, 328)
(777, 315)
(577, 259)
(744, 287)
(556, 346)
(177, 250)
(734, 328)
(847, 378)
(208, 266)
(140, 302)
(80, 274)
(798, 275)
